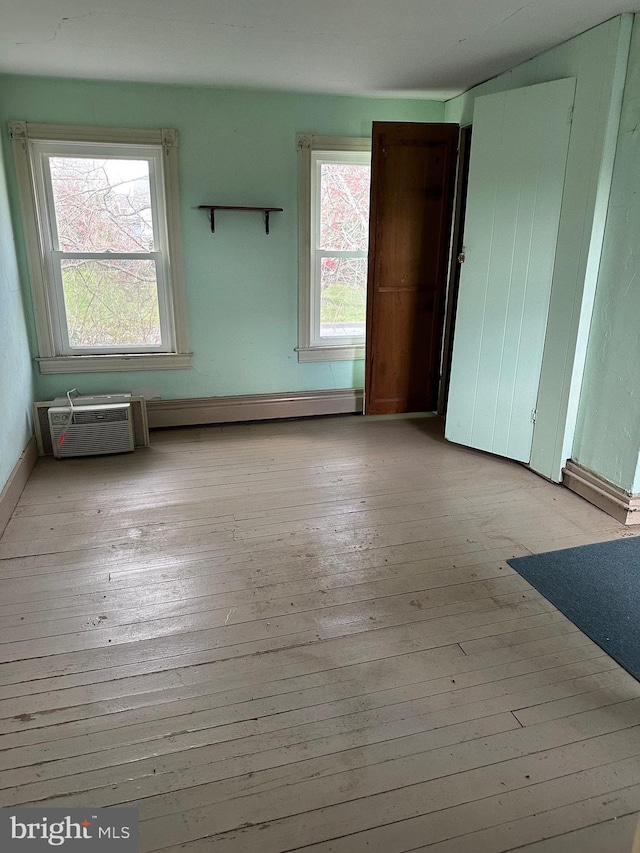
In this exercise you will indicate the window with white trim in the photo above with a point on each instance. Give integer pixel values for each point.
(334, 178)
(100, 210)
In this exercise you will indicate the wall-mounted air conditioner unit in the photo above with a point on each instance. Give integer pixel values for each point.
(88, 426)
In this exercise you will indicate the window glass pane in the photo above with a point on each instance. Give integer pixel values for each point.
(343, 293)
(344, 206)
(111, 302)
(102, 204)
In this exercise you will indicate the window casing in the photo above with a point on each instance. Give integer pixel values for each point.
(332, 314)
(100, 211)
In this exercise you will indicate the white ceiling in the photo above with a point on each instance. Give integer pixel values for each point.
(415, 48)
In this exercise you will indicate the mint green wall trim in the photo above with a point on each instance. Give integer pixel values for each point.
(597, 59)
(607, 437)
(237, 147)
(16, 376)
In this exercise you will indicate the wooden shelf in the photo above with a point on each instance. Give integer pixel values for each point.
(213, 207)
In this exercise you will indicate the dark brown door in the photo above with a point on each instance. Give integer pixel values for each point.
(412, 187)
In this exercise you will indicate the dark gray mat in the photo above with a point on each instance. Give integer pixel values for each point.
(598, 588)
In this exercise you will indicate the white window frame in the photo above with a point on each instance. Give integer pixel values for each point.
(313, 151)
(33, 144)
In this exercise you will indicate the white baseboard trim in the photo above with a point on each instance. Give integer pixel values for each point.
(12, 490)
(253, 407)
(601, 493)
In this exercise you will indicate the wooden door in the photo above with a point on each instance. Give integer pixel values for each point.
(412, 183)
(516, 178)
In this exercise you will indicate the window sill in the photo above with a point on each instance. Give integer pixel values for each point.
(349, 352)
(103, 363)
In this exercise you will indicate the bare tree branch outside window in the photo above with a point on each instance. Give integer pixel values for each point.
(344, 228)
(102, 206)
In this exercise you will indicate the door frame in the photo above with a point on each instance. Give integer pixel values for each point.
(457, 247)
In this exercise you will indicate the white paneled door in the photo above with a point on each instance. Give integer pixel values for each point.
(516, 176)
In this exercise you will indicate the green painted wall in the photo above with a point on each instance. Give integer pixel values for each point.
(236, 147)
(608, 431)
(597, 59)
(16, 380)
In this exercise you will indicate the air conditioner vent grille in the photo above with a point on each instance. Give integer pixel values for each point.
(80, 441)
(101, 416)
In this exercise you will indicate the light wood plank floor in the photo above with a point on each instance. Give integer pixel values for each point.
(305, 636)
